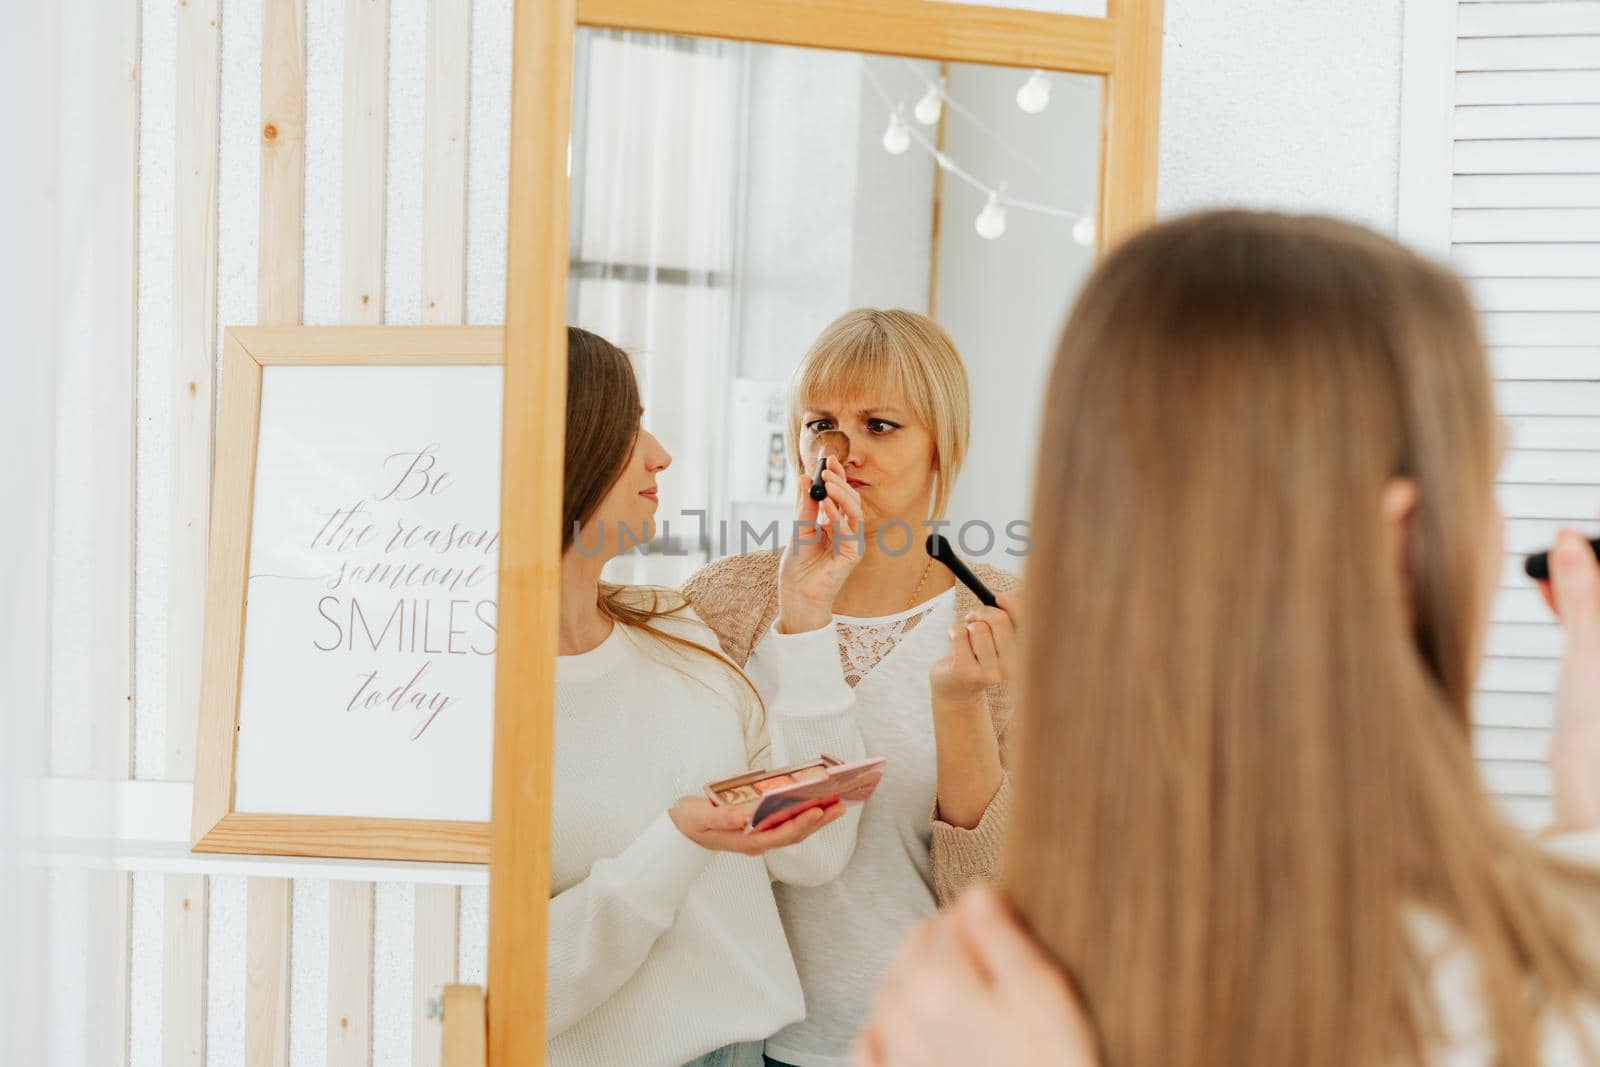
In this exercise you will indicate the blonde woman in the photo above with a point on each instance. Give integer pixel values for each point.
(666, 946)
(926, 661)
(1255, 835)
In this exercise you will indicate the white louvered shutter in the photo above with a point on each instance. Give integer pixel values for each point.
(1525, 229)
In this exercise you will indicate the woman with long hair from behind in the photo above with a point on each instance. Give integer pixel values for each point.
(1252, 828)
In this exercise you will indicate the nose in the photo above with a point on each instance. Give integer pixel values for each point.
(656, 458)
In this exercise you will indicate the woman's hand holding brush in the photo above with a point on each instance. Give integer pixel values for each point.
(1573, 593)
(825, 548)
(983, 653)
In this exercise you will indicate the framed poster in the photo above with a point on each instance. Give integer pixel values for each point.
(347, 697)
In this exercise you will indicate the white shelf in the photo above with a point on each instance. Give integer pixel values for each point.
(174, 857)
(144, 826)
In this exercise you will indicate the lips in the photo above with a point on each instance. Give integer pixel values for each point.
(855, 483)
(649, 493)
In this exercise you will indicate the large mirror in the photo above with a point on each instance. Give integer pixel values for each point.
(791, 246)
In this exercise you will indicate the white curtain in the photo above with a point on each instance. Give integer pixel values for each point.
(46, 201)
(655, 173)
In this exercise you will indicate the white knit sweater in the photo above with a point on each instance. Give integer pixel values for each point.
(1453, 974)
(661, 950)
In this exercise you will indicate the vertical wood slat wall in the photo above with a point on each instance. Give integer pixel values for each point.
(195, 85)
(113, 407)
(444, 286)
(365, 129)
(279, 296)
(1524, 227)
(183, 974)
(196, 126)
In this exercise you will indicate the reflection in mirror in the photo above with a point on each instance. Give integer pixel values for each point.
(780, 255)
(729, 200)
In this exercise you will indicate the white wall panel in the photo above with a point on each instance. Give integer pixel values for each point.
(1527, 53)
(1525, 190)
(1528, 19)
(1529, 87)
(1521, 172)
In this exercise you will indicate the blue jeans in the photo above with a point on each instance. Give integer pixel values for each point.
(746, 1055)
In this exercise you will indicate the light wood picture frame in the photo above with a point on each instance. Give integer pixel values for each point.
(1124, 48)
(217, 826)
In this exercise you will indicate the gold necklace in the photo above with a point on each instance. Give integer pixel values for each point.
(920, 582)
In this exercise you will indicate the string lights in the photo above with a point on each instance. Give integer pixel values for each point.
(991, 221)
(931, 106)
(1033, 97)
(896, 139)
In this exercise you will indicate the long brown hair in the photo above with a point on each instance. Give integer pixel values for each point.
(1244, 764)
(603, 411)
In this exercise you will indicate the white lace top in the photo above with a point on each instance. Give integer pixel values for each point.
(863, 643)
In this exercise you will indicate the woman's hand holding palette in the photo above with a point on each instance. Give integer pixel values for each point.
(771, 798)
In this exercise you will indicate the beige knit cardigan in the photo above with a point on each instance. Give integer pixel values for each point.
(738, 598)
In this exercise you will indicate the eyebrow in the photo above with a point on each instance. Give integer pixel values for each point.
(895, 412)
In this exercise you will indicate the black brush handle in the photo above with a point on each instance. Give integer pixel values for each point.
(1537, 566)
(939, 548)
(819, 492)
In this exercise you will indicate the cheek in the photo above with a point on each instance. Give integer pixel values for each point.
(605, 514)
(910, 455)
(616, 505)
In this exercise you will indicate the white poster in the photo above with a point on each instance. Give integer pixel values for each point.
(758, 462)
(367, 684)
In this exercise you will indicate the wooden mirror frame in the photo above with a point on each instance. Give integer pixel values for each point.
(1124, 48)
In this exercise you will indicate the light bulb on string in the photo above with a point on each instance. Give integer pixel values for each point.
(896, 139)
(1034, 96)
(930, 107)
(991, 221)
(1083, 232)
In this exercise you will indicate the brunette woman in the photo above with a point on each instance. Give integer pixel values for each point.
(665, 941)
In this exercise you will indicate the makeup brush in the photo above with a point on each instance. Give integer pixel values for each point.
(838, 443)
(939, 548)
(1537, 565)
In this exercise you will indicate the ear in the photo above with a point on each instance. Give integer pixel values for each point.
(1398, 507)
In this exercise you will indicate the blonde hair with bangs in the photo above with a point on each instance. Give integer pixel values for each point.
(883, 355)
